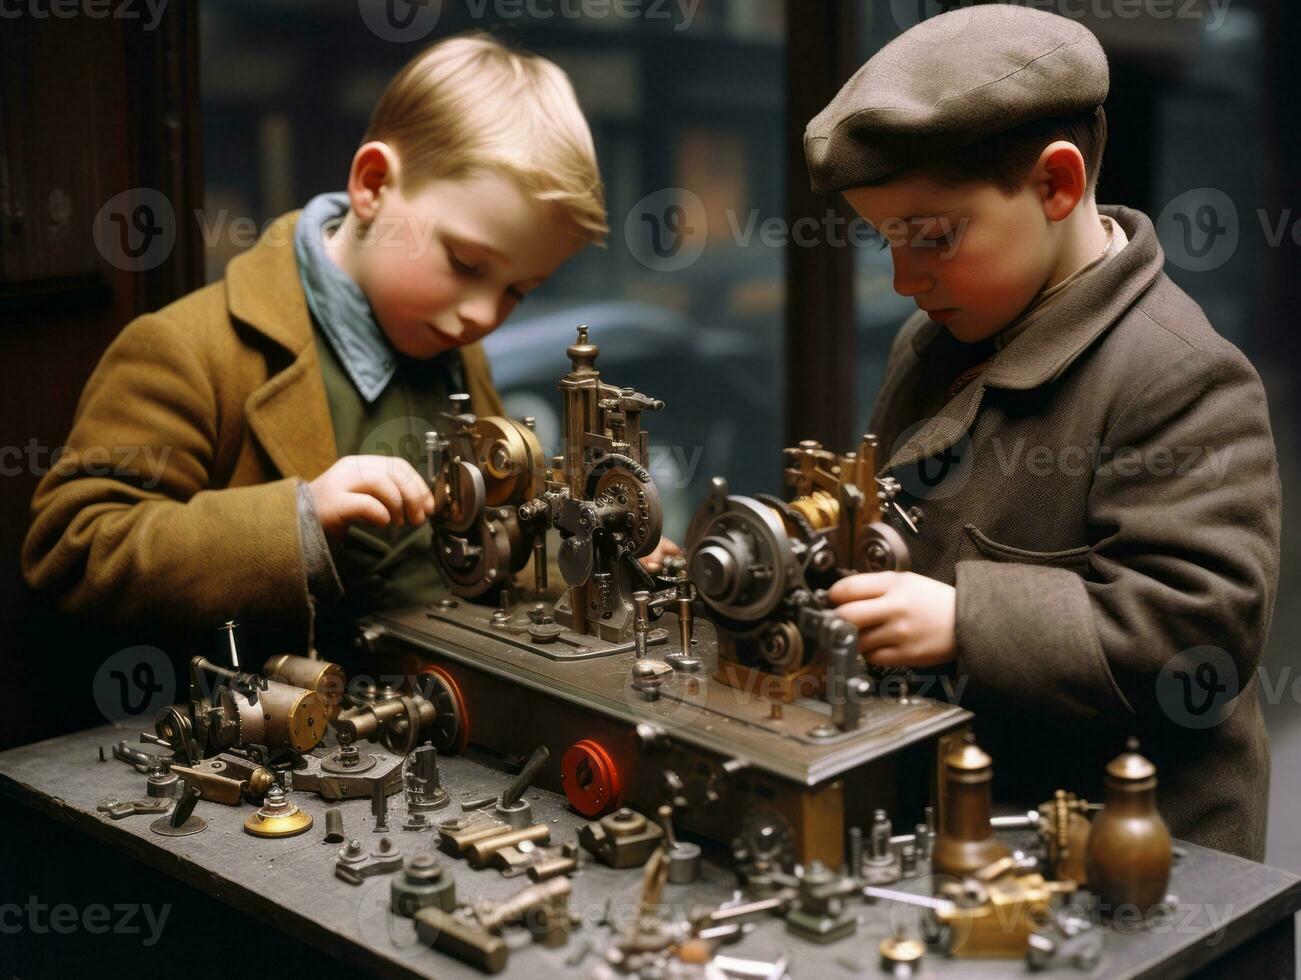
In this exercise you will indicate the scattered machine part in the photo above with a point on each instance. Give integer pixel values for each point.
(683, 856)
(901, 956)
(424, 883)
(341, 783)
(355, 863)
(459, 833)
(138, 759)
(278, 817)
(326, 678)
(1129, 853)
(242, 711)
(333, 826)
(481, 851)
(966, 842)
(1064, 831)
(182, 821)
(117, 809)
(399, 724)
(424, 790)
(1070, 939)
(417, 822)
(512, 808)
(623, 839)
(882, 864)
(379, 807)
(732, 966)
(227, 778)
(162, 782)
(461, 939)
(818, 913)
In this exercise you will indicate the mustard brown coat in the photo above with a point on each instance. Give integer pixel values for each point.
(173, 502)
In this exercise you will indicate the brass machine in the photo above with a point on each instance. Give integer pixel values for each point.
(761, 566)
(634, 714)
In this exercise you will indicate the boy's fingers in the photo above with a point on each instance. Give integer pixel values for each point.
(865, 585)
(363, 507)
(865, 613)
(416, 495)
(886, 657)
(382, 487)
(877, 637)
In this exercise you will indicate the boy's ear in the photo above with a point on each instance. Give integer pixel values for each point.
(1061, 178)
(375, 172)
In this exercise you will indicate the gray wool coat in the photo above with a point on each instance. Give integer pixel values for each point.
(1105, 499)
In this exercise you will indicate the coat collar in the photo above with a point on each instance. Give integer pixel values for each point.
(289, 413)
(1085, 311)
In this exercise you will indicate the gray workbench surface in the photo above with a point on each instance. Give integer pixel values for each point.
(290, 883)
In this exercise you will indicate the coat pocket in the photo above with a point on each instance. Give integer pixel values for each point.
(1067, 558)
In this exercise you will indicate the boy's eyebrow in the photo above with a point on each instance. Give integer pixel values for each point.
(467, 242)
(933, 214)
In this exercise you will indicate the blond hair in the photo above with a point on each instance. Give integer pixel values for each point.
(469, 104)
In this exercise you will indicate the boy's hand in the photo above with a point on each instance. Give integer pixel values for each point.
(379, 490)
(655, 560)
(904, 619)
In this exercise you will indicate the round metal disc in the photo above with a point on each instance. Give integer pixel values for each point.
(882, 549)
(473, 496)
(768, 545)
(620, 481)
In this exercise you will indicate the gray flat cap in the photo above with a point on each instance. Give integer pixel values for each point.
(949, 81)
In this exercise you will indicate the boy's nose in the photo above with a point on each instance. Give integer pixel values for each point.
(911, 282)
(477, 316)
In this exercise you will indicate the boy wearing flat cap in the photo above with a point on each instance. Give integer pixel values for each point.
(1088, 465)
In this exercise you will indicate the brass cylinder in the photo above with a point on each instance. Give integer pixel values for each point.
(966, 841)
(481, 851)
(282, 717)
(322, 676)
(460, 939)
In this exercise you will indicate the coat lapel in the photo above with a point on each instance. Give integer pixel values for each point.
(1085, 311)
(288, 414)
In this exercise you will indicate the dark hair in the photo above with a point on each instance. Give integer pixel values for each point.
(1005, 159)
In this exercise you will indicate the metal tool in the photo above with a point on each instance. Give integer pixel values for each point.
(623, 839)
(342, 783)
(462, 939)
(117, 809)
(227, 778)
(183, 821)
(683, 856)
(882, 865)
(424, 883)
(511, 807)
(818, 911)
(379, 808)
(424, 791)
(1069, 939)
(333, 826)
(355, 862)
(278, 817)
(162, 782)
